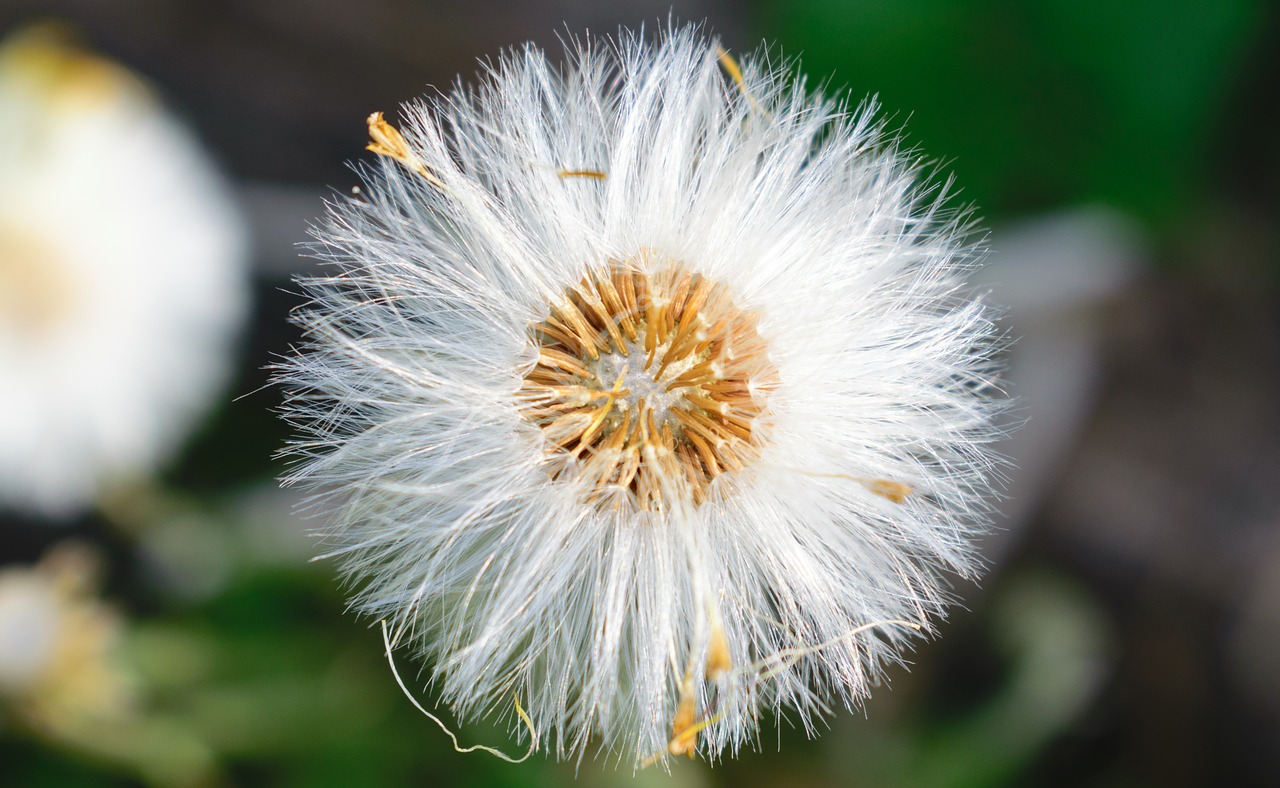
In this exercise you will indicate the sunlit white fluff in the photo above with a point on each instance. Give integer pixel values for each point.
(122, 277)
(442, 510)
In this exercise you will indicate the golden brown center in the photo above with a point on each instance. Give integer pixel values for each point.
(648, 384)
(34, 287)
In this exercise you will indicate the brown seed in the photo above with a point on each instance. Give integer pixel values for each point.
(651, 379)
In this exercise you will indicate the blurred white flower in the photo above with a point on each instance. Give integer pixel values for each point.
(122, 277)
(646, 391)
(59, 644)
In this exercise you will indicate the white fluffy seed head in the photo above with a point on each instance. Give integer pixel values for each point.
(123, 278)
(470, 395)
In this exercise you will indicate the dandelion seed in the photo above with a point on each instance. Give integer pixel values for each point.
(661, 445)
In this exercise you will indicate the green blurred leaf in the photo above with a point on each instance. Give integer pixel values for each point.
(1038, 105)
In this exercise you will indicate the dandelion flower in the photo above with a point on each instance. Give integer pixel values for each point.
(646, 393)
(121, 277)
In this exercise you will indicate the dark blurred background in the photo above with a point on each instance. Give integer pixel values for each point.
(1125, 157)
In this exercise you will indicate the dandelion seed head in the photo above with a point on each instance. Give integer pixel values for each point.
(648, 390)
(122, 277)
